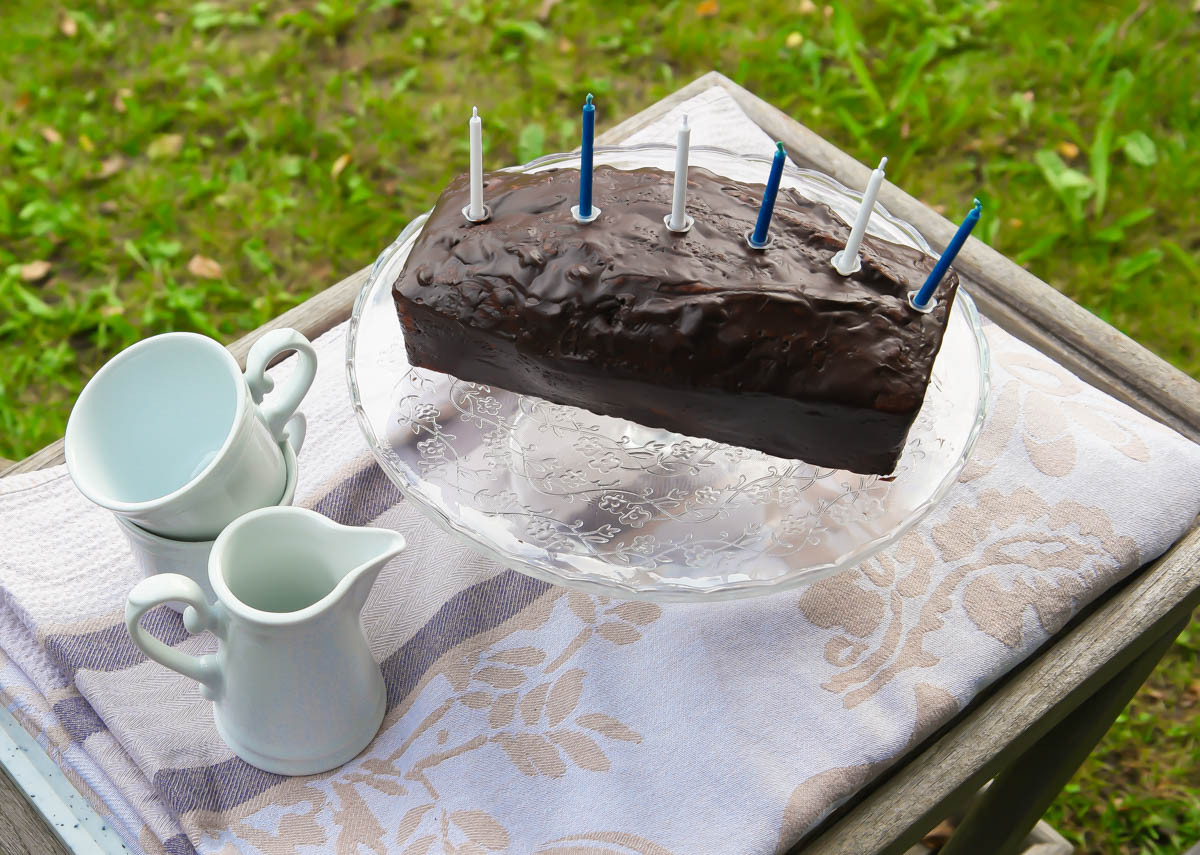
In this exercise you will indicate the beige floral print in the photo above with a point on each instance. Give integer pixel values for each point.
(521, 699)
(1041, 405)
(1008, 552)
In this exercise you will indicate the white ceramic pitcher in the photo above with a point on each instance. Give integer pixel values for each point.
(294, 687)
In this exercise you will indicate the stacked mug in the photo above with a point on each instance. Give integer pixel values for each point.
(177, 442)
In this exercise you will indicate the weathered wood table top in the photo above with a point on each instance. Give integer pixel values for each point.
(1031, 729)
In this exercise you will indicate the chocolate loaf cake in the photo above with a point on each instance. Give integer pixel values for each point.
(695, 333)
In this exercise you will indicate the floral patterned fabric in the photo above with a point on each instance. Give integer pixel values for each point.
(523, 717)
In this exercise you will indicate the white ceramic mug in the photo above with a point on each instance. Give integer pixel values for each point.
(154, 554)
(171, 436)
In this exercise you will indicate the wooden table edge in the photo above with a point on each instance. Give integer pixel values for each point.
(1076, 663)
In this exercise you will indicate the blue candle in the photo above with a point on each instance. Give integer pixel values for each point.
(758, 240)
(585, 159)
(921, 299)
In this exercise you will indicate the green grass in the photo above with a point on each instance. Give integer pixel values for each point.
(290, 141)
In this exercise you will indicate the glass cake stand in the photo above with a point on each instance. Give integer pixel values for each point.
(620, 509)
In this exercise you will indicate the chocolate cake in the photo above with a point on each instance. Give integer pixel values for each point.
(695, 333)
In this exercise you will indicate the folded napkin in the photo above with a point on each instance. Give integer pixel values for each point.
(523, 717)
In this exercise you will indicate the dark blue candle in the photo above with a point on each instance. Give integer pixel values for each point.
(585, 158)
(921, 299)
(759, 239)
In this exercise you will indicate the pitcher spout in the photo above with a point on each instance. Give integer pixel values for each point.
(369, 549)
(286, 565)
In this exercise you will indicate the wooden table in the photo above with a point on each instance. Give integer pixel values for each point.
(1029, 732)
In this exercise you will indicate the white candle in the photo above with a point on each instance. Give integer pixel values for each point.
(679, 218)
(846, 261)
(475, 211)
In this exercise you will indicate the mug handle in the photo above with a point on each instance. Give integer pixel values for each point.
(163, 588)
(280, 408)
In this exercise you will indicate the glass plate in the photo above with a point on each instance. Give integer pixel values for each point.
(616, 508)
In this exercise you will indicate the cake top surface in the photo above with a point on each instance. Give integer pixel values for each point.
(700, 308)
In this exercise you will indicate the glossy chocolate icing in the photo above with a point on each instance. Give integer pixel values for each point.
(695, 333)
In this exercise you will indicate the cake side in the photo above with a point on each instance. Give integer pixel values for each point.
(824, 434)
(698, 326)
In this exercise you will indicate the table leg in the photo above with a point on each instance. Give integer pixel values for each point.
(999, 820)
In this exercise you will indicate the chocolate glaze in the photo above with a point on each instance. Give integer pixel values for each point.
(695, 333)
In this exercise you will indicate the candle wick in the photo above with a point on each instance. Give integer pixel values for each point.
(588, 101)
(882, 164)
(684, 120)
(474, 112)
(978, 205)
(779, 146)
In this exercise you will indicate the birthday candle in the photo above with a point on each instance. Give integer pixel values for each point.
(921, 300)
(758, 240)
(679, 221)
(846, 261)
(584, 213)
(475, 212)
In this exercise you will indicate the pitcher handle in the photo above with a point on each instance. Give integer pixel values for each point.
(163, 588)
(283, 404)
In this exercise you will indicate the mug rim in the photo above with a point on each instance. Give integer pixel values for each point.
(242, 392)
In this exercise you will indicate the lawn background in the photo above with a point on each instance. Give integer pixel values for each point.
(206, 165)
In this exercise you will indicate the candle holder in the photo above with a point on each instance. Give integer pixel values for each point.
(924, 310)
(487, 215)
(837, 259)
(759, 246)
(590, 218)
(688, 222)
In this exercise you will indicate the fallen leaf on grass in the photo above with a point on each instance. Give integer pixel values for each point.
(204, 267)
(807, 7)
(707, 8)
(108, 207)
(165, 146)
(109, 167)
(1068, 150)
(51, 136)
(35, 271)
(67, 25)
(543, 13)
(794, 39)
(338, 165)
(119, 99)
